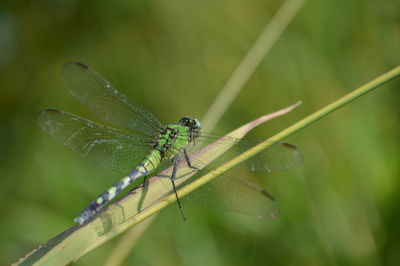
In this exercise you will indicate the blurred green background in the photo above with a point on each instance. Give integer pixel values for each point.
(173, 57)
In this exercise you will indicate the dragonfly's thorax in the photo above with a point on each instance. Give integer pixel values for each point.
(171, 139)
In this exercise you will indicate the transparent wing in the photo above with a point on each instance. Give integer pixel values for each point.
(105, 146)
(104, 101)
(226, 193)
(277, 157)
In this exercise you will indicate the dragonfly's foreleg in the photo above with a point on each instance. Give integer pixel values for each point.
(189, 163)
(95, 206)
(175, 168)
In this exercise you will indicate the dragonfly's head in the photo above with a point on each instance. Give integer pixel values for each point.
(193, 125)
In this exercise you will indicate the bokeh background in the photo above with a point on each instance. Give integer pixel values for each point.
(342, 207)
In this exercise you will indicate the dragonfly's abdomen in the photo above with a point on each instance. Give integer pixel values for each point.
(149, 164)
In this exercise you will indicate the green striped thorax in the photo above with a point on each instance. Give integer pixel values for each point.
(174, 137)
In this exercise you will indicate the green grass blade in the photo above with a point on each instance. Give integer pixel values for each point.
(294, 128)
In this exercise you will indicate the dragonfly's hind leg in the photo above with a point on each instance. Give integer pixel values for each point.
(143, 184)
(175, 168)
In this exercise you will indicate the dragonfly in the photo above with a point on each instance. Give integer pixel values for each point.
(132, 139)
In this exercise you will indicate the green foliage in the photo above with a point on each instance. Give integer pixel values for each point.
(172, 57)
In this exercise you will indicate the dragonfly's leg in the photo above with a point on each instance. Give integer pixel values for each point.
(175, 168)
(143, 184)
(189, 163)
